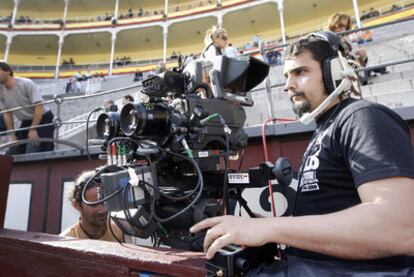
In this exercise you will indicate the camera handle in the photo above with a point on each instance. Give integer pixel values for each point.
(215, 83)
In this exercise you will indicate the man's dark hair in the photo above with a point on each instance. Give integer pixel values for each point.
(75, 192)
(6, 67)
(129, 98)
(319, 49)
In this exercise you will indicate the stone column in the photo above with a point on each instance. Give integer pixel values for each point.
(282, 20)
(165, 40)
(8, 45)
(59, 54)
(111, 62)
(356, 11)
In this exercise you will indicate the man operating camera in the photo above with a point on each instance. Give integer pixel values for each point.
(354, 210)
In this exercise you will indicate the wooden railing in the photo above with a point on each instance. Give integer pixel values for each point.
(39, 254)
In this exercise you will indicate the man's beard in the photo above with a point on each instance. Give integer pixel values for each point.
(302, 106)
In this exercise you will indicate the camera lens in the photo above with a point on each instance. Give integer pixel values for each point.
(147, 119)
(107, 125)
(131, 119)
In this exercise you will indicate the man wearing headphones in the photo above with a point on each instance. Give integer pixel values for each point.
(93, 221)
(354, 211)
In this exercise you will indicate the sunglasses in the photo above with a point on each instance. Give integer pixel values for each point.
(342, 25)
(223, 37)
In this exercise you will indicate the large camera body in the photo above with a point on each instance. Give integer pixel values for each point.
(168, 157)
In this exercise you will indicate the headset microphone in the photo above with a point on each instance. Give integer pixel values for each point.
(309, 117)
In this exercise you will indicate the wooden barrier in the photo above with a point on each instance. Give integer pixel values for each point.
(40, 254)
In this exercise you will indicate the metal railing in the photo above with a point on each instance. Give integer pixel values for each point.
(78, 122)
(73, 124)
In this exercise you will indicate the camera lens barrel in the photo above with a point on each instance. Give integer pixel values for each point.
(144, 119)
(107, 125)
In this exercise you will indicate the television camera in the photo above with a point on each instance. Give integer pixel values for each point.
(168, 158)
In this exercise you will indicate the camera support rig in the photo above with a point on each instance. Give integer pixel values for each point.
(168, 158)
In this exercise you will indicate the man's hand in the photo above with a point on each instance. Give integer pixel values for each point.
(33, 136)
(226, 230)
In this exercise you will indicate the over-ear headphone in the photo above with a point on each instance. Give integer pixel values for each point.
(337, 75)
(331, 67)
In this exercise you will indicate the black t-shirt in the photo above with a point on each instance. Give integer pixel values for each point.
(355, 142)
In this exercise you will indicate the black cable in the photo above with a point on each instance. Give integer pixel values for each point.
(87, 136)
(112, 231)
(90, 180)
(226, 165)
(184, 197)
(199, 187)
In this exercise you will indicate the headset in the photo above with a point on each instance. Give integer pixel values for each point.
(337, 74)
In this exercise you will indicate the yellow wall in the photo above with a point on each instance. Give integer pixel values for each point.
(40, 14)
(31, 59)
(195, 48)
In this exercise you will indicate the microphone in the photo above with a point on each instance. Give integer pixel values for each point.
(309, 117)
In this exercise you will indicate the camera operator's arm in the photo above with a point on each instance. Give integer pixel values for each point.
(8, 121)
(37, 117)
(380, 226)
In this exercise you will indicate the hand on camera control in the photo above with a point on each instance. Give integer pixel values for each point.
(225, 230)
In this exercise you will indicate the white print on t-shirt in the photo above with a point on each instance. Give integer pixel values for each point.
(308, 180)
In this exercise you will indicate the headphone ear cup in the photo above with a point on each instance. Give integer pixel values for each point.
(327, 75)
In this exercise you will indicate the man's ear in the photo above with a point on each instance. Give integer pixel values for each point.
(76, 205)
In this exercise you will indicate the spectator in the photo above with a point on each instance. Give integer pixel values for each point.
(138, 76)
(19, 92)
(74, 86)
(215, 41)
(231, 51)
(395, 8)
(274, 57)
(255, 40)
(373, 12)
(93, 222)
(79, 76)
(340, 22)
(161, 68)
(247, 46)
(127, 99)
(110, 105)
(189, 59)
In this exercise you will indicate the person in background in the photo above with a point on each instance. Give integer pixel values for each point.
(127, 99)
(215, 42)
(110, 105)
(341, 22)
(93, 221)
(161, 68)
(231, 51)
(19, 92)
